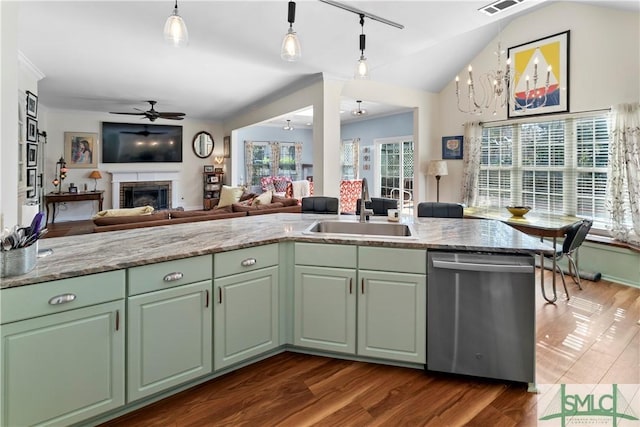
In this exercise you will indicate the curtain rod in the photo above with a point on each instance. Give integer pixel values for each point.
(519, 119)
(362, 13)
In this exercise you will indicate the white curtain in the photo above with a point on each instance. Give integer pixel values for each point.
(471, 162)
(275, 158)
(298, 151)
(248, 162)
(623, 191)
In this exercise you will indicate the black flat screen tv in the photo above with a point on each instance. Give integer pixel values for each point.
(141, 143)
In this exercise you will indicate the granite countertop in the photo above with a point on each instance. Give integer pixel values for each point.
(99, 252)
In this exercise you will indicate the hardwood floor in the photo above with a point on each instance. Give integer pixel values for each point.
(592, 338)
(69, 228)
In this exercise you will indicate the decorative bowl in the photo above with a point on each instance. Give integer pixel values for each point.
(518, 210)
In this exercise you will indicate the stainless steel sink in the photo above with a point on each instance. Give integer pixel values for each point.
(362, 229)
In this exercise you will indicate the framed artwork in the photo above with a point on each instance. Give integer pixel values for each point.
(226, 145)
(80, 149)
(32, 130)
(31, 182)
(540, 76)
(452, 147)
(32, 105)
(213, 179)
(32, 155)
(219, 170)
(208, 168)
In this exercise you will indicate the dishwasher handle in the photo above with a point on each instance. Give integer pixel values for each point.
(474, 266)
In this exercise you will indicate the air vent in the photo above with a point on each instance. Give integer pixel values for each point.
(499, 6)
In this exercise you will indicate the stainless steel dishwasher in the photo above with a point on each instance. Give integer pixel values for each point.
(481, 315)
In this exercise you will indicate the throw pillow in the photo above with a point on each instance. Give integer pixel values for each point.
(263, 199)
(229, 195)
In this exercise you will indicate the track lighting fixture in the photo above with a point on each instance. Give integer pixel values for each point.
(175, 30)
(362, 68)
(358, 111)
(291, 45)
(288, 126)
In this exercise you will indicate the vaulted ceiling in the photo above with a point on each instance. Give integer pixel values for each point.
(111, 55)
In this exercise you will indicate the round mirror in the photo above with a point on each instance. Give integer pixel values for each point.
(203, 144)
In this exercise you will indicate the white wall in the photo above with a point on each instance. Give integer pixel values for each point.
(604, 65)
(8, 114)
(61, 121)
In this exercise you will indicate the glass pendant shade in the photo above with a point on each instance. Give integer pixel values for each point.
(362, 69)
(175, 30)
(291, 47)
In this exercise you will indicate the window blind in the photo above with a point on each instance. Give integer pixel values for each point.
(553, 165)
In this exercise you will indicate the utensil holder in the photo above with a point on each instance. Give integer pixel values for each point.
(16, 262)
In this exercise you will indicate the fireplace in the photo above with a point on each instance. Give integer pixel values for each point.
(144, 186)
(145, 193)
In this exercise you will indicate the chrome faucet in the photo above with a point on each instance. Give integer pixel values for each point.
(364, 198)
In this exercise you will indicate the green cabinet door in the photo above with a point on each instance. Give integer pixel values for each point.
(325, 308)
(63, 368)
(392, 316)
(168, 338)
(246, 316)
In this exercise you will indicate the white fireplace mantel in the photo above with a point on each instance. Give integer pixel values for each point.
(131, 176)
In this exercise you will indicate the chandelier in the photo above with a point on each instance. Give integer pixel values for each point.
(494, 89)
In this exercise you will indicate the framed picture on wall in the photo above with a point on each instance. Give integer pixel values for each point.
(32, 130)
(31, 182)
(32, 105)
(452, 147)
(32, 155)
(540, 71)
(80, 149)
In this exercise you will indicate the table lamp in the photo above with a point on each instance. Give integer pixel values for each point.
(61, 174)
(437, 168)
(95, 175)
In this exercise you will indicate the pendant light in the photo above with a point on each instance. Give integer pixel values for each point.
(288, 126)
(358, 111)
(175, 30)
(362, 68)
(291, 45)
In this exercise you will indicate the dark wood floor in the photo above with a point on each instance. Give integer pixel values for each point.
(69, 228)
(594, 338)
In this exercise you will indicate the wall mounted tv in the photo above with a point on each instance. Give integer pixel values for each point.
(141, 143)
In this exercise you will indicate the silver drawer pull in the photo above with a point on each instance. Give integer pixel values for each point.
(62, 299)
(172, 277)
(248, 262)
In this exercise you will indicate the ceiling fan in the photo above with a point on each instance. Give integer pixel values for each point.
(152, 114)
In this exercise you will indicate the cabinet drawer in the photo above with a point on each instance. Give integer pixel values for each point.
(29, 301)
(322, 255)
(242, 260)
(164, 275)
(392, 259)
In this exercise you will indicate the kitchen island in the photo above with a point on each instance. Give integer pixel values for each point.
(100, 252)
(198, 300)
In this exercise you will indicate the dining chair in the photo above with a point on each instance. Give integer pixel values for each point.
(379, 205)
(440, 210)
(320, 205)
(573, 240)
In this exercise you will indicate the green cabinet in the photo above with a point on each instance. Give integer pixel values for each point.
(325, 308)
(392, 316)
(246, 307)
(369, 301)
(170, 332)
(68, 366)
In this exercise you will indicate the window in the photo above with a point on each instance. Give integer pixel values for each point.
(263, 164)
(555, 166)
(349, 158)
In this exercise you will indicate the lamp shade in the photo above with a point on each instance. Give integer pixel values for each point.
(437, 168)
(95, 175)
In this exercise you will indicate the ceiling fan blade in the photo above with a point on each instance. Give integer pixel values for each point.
(164, 113)
(130, 114)
(173, 118)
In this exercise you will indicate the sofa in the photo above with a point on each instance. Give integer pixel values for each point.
(242, 207)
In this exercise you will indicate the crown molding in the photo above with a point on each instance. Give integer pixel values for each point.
(26, 64)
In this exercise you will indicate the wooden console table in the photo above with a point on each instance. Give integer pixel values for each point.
(55, 198)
